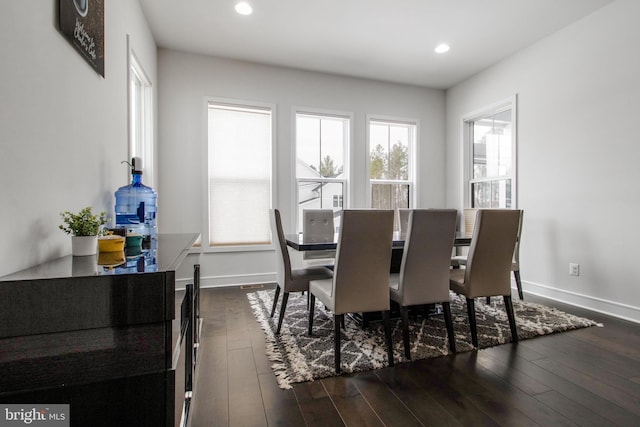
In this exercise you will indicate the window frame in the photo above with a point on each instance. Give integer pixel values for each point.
(346, 181)
(140, 104)
(467, 144)
(212, 100)
(413, 153)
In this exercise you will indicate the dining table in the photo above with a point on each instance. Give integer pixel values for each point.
(299, 243)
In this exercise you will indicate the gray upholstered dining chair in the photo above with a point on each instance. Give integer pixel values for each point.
(515, 262)
(403, 218)
(318, 226)
(488, 267)
(424, 271)
(460, 260)
(469, 221)
(360, 281)
(288, 279)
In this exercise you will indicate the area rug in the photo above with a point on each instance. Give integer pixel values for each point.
(298, 357)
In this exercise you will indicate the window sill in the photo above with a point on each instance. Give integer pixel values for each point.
(239, 248)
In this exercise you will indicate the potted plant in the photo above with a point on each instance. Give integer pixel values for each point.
(84, 227)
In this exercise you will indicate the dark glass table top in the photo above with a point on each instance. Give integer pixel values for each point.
(297, 242)
(165, 254)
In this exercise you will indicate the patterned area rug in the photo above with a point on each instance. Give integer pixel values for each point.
(298, 357)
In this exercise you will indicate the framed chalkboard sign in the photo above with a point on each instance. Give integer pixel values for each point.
(82, 23)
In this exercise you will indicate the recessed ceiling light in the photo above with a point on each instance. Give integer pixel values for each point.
(244, 8)
(442, 48)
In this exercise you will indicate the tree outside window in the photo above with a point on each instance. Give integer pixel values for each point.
(389, 164)
(321, 150)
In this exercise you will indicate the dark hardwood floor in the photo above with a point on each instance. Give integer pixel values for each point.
(588, 377)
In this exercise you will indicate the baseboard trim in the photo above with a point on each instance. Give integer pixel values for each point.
(600, 305)
(229, 280)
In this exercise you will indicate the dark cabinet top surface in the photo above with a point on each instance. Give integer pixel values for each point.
(164, 256)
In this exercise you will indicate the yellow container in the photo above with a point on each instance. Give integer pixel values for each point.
(111, 259)
(112, 243)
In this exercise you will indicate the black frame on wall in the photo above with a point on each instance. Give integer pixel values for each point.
(82, 24)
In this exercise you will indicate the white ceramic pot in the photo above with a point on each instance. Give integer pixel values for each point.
(84, 245)
(84, 266)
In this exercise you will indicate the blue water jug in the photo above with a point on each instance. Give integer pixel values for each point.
(136, 206)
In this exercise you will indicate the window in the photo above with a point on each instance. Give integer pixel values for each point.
(322, 142)
(239, 167)
(391, 148)
(140, 117)
(491, 151)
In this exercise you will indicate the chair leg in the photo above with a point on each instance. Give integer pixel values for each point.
(516, 274)
(312, 303)
(336, 341)
(446, 307)
(471, 312)
(386, 317)
(488, 300)
(512, 318)
(283, 306)
(404, 312)
(275, 300)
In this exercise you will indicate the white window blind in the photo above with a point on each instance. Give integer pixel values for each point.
(239, 168)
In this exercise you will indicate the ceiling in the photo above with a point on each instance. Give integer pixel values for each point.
(388, 40)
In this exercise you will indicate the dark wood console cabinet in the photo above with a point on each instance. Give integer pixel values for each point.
(110, 341)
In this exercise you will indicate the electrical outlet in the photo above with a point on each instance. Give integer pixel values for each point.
(574, 269)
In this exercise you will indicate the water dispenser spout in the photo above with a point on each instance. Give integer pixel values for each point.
(135, 165)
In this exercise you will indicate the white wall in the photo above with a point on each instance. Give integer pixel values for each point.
(578, 148)
(63, 128)
(184, 79)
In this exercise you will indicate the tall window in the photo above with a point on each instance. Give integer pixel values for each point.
(391, 147)
(240, 174)
(492, 157)
(140, 117)
(322, 143)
